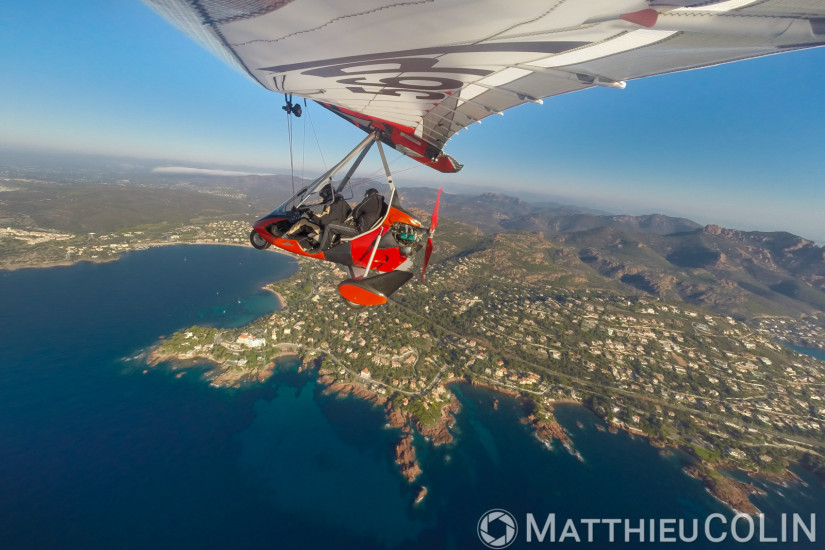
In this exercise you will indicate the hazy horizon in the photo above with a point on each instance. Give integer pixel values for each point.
(177, 167)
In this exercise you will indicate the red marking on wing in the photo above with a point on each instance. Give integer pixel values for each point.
(645, 18)
(401, 138)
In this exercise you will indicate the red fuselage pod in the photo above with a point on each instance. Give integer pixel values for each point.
(354, 252)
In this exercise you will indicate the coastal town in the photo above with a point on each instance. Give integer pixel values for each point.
(726, 393)
(730, 394)
(38, 248)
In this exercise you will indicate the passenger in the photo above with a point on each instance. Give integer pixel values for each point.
(364, 216)
(369, 210)
(334, 213)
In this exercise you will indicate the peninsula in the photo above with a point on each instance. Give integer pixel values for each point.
(684, 377)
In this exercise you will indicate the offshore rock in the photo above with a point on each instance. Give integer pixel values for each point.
(405, 458)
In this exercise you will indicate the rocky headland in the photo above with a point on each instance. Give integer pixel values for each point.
(547, 430)
(729, 491)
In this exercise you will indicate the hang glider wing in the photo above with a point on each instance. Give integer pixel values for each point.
(424, 69)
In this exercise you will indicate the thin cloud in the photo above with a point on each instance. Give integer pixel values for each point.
(202, 171)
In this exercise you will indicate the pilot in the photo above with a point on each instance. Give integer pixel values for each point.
(335, 212)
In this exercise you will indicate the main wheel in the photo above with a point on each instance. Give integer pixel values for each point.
(257, 241)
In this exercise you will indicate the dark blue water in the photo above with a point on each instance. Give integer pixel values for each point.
(96, 454)
(813, 352)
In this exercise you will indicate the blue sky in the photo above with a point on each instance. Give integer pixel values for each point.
(740, 145)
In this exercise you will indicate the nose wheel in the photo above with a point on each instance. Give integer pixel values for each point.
(257, 241)
(353, 305)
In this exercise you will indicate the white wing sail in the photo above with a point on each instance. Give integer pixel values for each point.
(423, 69)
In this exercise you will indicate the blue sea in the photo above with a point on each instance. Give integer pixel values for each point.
(813, 352)
(99, 451)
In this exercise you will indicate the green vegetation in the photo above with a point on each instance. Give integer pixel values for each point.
(101, 208)
(427, 413)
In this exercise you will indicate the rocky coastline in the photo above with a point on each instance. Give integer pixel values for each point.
(499, 389)
(783, 478)
(437, 434)
(731, 492)
(219, 375)
(547, 430)
(726, 490)
(343, 389)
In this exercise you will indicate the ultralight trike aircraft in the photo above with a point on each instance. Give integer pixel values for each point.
(379, 257)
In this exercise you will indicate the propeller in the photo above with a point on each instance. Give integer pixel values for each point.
(433, 225)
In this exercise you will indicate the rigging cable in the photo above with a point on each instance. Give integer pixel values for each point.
(374, 177)
(304, 144)
(317, 141)
(288, 109)
(291, 110)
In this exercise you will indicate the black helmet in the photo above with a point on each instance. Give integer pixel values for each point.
(370, 191)
(326, 192)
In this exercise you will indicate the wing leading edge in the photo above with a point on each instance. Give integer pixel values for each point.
(422, 71)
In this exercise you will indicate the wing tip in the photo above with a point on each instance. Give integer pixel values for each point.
(447, 164)
(402, 139)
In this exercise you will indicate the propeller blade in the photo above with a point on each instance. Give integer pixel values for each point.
(433, 225)
(427, 253)
(434, 220)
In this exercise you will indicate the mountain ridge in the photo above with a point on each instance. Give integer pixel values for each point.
(744, 274)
